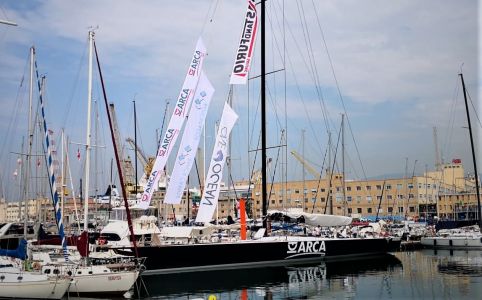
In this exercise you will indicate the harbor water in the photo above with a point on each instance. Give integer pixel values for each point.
(422, 274)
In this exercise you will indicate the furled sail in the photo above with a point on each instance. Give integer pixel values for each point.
(246, 46)
(53, 183)
(190, 140)
(181, 109)
(210, 196)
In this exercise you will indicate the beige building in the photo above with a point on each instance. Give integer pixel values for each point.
(415, 197)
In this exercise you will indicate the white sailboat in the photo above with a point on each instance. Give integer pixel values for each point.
(18, 283)
(468, 238)
(102, 278)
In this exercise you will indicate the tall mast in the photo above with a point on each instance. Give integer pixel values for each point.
(343, 162)
(135, 146)
(303, 175)
(30, 138)
(87, 144)
(117, 156)
(263, 115)
(473, 153)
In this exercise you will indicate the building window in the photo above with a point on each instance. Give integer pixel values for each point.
(389, 197)
(368, 187)
(410, 185)
(379, 198)
(379, 187)
(399, 186)
(390, 209)
(288, 192)
(411, 196)
(349, 210)
(369, 210)
(348, 198)
(322, 199)
(358, 199)
(272, 201)
(337, 188)
(297, 191)
(322, 190)
(358, 188)
(305, 191)
(369, 199)
(400, 209)
(412, 209)
(399, 197)
(388, 187)
(348, 188)
(359, 210)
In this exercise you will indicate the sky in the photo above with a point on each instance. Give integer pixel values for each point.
(390, 66)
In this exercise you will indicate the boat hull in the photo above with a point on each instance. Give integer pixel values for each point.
(271, 251)
(113, 283)
(455, 242)
(31, 286)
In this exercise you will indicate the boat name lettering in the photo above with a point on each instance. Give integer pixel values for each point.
(181, 102)
(306, 247)
(196, 60)
(115, 277)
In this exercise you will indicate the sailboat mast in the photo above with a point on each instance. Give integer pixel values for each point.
(263, 116)
(87, 144)
(30, 138)
(473, 152)
(117, 158)
(343, 162)
(135, 146)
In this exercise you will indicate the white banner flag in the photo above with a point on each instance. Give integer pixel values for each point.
(246, 46)
(190, 141)
(210, 196)
(181, 109)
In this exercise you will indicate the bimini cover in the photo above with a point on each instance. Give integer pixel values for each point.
(315, 219)
(20, 252)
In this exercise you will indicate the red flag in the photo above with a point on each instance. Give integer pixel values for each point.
(78, 154)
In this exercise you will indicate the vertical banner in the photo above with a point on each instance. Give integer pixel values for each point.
(190, 141)
(246, 46)
(175, 123)
(210, 196)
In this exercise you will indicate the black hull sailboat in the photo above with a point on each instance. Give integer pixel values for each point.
(267, 251)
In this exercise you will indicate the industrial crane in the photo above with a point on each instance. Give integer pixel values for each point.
(126, 163)
(307, 166)
(147, 162)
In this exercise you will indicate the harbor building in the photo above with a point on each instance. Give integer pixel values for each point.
(443, 193)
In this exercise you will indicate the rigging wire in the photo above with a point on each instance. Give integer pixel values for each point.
(339, 90)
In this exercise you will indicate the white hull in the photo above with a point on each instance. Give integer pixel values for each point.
(454, 242)
(32, 286)
(97, 279)
(108, 283)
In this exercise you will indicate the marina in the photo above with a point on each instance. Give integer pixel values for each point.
(212, 206)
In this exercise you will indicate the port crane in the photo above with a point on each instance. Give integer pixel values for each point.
(307, 166)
